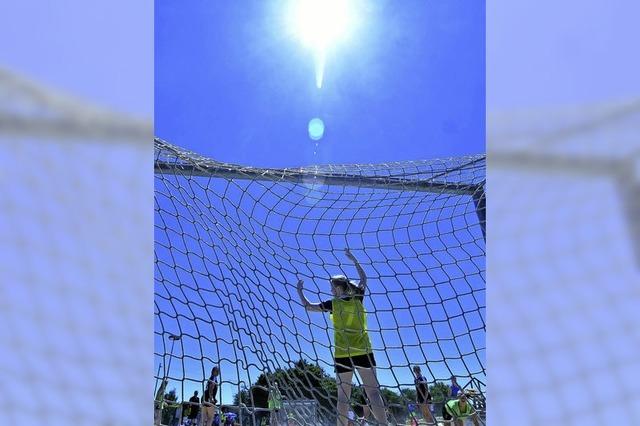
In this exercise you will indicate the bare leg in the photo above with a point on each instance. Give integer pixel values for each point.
(210, 412)
(372, 388)
(344, 396)
(366, 412)
(426, 414)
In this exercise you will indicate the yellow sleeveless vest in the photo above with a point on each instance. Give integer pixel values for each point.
(350, 328)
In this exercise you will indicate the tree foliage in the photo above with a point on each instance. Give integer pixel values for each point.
(439, 392)
(308, 381)
(169, 408)
(171, 395)
(409, 394)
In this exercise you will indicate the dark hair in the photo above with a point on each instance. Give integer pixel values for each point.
(344, 283)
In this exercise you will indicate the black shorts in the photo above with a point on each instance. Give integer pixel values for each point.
(346, 364)
(445, 413)
(421, 400)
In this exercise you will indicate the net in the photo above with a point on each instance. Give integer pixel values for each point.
(231, 243)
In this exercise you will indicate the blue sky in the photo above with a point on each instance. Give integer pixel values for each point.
(109, 68)
(227, 268)
(547, 53)
(233, 84)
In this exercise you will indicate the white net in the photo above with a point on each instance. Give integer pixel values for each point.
(231, 243)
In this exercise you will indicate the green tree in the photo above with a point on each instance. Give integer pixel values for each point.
(439, 392)
(171, 395)
(395, 403)
(409, 395)
(301, 381)
(308, 381)
(170, 406)
(242, 397)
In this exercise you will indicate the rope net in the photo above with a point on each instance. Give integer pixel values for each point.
(231, 243)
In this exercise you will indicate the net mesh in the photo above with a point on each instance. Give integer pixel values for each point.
(231, 243)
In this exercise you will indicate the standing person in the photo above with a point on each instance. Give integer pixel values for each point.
(209, 398)
(177, 418)
(194, 410)
(229, 418)
(186, 407)
(412, 420)
(423, 396)
(456, 410)
(275, 405)
(158, 404)
(352, 417)
(352, 347)
(455, 387)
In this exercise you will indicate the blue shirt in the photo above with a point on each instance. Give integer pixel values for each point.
(229, 418)
(454, 391)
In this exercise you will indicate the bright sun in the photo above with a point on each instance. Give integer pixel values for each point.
(321, 23)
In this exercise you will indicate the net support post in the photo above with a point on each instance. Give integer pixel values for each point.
(628, 184)
(479, 200)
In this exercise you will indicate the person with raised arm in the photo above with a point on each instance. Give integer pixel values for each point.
(352, 346)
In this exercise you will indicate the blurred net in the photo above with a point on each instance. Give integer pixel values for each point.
(232, 241)
(580, 163)
(58, 233)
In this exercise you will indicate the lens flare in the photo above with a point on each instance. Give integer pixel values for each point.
(316, 129)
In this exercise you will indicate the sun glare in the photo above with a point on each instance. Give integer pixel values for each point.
(321, 23)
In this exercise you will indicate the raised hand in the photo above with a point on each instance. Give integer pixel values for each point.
(349, 255)
(317, 307)
(363, 276)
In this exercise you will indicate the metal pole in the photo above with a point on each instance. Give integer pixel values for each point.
(155, 387)
(173, 342)
(298, 176)
(173, 339)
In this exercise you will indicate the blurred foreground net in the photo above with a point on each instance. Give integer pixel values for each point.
(564, 256)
